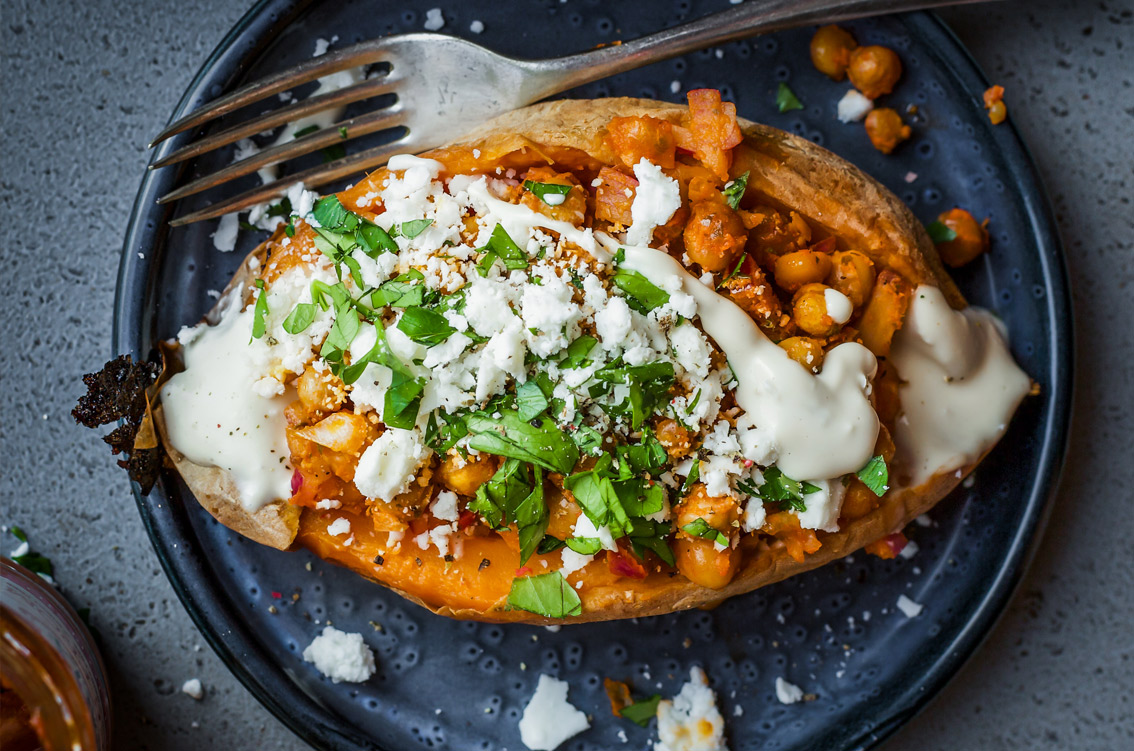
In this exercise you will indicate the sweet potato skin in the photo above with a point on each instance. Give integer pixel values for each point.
(794, 173)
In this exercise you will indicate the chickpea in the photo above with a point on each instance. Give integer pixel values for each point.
(994, 103)
(970, 242)
(804, 350)
(885, 129)
(465, 476)
(699, 561)
(793, 270)
(720, 513)
(714, 236)
(809, 309)
(874, 70)
(320, 391)
(674, 437)
(852, 273)
(831, 50)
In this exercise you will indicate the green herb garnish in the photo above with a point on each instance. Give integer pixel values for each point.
(939, 232)
(301, 316)
(539, 442)
(410, 230)
(260, 312)
(543, 190)
(547, 594)
(641, 294)
(876, 476)
(734, 191)
(786, 100)
(424, 326)
(641, 712)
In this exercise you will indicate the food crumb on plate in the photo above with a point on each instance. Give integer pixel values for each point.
(549, 719)
(788, 693)
(433, 19)
(691, 720)
(476, 27)
(341, 656)
(908, 607)
(193, 688)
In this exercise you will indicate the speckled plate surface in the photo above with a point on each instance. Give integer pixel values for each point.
(835, 632)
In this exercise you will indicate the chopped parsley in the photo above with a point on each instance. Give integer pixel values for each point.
(734, 190)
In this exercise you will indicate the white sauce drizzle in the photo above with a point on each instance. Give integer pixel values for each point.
(960, 387)
(215, 418)
(839, 306)
(823, 425)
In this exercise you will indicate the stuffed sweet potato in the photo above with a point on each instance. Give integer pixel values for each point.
(600, 359)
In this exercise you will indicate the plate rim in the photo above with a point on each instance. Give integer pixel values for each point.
(214, 615)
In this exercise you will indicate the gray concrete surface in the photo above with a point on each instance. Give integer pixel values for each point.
(85, 83)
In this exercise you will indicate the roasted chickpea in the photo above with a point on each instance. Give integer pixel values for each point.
(831, 50)
(804, 350)
(674, 437)
(465, 476)
(320, 391)
(714, 236)
(994, 103)
(852, 273)
(809, 309)
(699, 561)
(885, 129)
(793, 270)
(874, 70)
(719, 512)
(970, 242)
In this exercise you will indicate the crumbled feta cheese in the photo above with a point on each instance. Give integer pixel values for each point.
(341, 656)
(655, 201)
(476, 27)
(573, 561)
(584, 527)
(224, 239)
(908, 607)
(339, 527)
(193, 688)
(328, 503)
(444, 507)
(788, 693)
(910, 550)
(549, 719)
(691, 721)
(388, 465)
(434, 21)
(613, 323)
(854, 106)
(823, 506)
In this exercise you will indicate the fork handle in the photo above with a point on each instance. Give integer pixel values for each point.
(549, 77)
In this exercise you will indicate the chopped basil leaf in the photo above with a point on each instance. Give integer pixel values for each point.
(18, 533)
(693, 476)
(701, 528)
(543, 190)
(299, 318)
(648, 535)
(376, 239)
(260, 312)
(786, 100)
(289, 230)
(642, 294)
(549, 544)
(735, 270)
(36, 563)
(410, 230)
(403, 399)
(441, 438)
(940, 232)
(648, 384)
(485, 264)
(876, 476)
(501, 246)
(530, 400)
(640, 498)
(342, 132)
(781, 489)
(584, 545)
(693, 404)
(532, 516)
(505, 491)
(734, 191)
(641, 712)
(577, 352)
(544, 445)
(425, 326)
(401, 291)
(595, 493)
(333, 216)
(282, 208)
(305, 131)
(547, 594)
(587, 439)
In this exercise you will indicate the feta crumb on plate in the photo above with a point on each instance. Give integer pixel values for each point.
(910, 608)
(549, 719)
(691, 720)
(853, 107)
(341, 656)
(193, 688)
(433, 19)
(788, 693)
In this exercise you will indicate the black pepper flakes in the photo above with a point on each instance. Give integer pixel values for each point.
(379, 560)
(485, 563)
(449, 558)
(418, 561)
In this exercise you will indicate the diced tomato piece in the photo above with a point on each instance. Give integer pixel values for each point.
(523, 571)
(712, 130)
(888, 547)
(614, 196)
(636, 138)
(466, 519)
(622, 563)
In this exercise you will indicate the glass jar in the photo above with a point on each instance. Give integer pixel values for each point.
(49, 662)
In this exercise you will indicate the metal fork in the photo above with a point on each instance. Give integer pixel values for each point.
(446, 86)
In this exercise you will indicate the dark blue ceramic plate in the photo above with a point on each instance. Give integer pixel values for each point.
(836, 631)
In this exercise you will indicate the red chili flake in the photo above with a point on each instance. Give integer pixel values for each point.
(523, 571)
(296, 481)
(276, 595)
(624, 564)
(466, 519)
